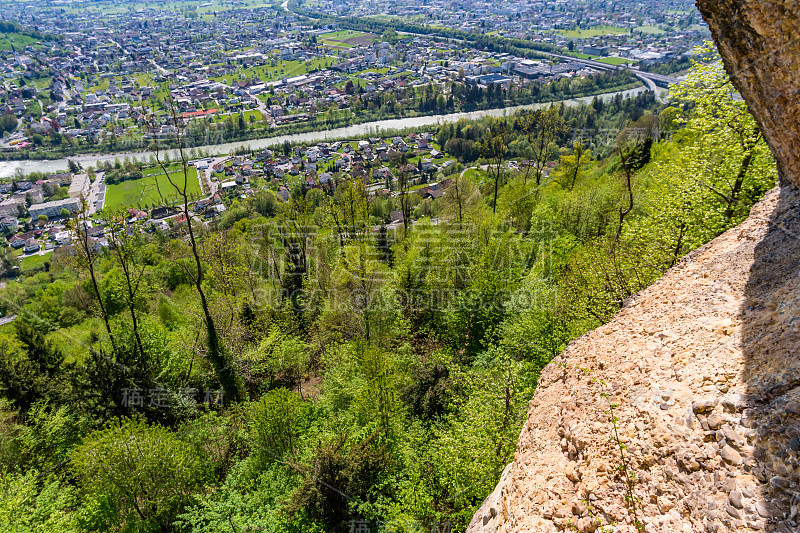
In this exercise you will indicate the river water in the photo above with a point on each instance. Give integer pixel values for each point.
(8, 168)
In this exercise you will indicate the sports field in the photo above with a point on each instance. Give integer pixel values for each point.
(613, 60)
(143, 193)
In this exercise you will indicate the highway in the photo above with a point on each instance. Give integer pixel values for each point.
(658, 79)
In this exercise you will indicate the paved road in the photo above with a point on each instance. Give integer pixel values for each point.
(97, 194)
(40, 252)
(262, 106)
(207, 174)
(159, 67)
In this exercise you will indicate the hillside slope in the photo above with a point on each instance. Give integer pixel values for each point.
(703, 366)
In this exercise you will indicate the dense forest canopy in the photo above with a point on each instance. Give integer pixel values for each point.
(298, 366)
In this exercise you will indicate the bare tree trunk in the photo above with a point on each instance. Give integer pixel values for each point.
(576, 171)
(223, 369)
(121, 250)
(736, 190)
(623, 211)
(88, 255)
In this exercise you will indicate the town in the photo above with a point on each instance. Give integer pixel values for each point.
(114, 82)
(35, 215)
(404, 176)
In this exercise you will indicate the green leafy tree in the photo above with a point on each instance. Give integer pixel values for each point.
(276, 424)
(135, 476)
(726, 152)
(31, 502)
(8, 122)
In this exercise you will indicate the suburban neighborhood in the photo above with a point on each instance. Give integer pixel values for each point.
(117, 82)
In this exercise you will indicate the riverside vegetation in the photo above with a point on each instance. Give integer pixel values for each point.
(298, 366)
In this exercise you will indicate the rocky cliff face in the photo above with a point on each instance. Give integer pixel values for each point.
(760, 42)
(704, 369)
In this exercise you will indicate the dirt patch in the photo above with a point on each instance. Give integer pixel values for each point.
(360, 40)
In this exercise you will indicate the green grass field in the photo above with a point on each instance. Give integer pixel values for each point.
(613, 60)
(255, 113)
(593, 32)
(655, 30)
(347, 38)
(281, 68)
(607, 60)
(18, 40)
(31, 262)
(390, 18)
(476, 175)
(143, 193)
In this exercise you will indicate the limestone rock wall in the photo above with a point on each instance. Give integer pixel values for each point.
(760, 43)
(705, 370)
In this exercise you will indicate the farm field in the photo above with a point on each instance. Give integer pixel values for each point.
(347, 38)
(143, 193)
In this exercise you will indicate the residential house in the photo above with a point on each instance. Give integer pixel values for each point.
(9, 223)
(31, 245)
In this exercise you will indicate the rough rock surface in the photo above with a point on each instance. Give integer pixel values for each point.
(705, 369)
(760, 42)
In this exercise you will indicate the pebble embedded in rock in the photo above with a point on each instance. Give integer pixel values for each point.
(733, 402)
(704, 405)
(730, 456)
(733, 511)
(792, 408)
(715, 421)
(766, 509)
(735, 497)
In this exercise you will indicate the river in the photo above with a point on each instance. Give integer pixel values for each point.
(8, 168)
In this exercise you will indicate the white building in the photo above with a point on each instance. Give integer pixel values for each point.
(62, 237)
(53, 209)
(79, 186)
